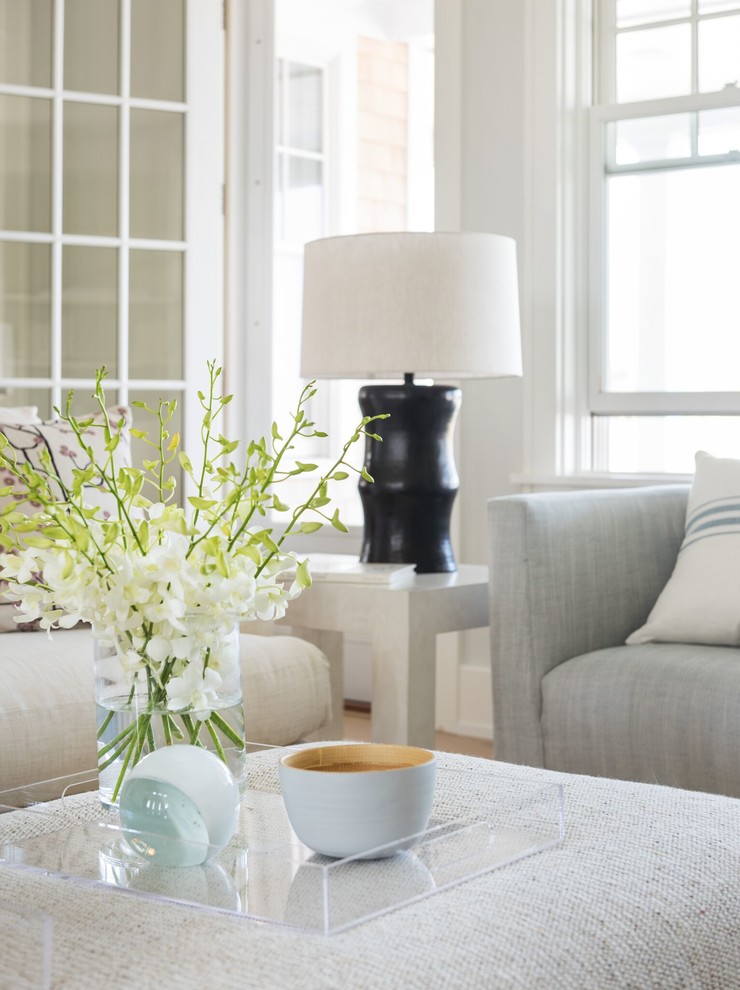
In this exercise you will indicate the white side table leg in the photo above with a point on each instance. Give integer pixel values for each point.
(404, 663)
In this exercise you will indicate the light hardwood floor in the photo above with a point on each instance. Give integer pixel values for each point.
(357, 727)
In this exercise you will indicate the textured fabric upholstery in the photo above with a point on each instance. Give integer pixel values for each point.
(641, 895)
(47, 713)
(572, 575)
(662, 713)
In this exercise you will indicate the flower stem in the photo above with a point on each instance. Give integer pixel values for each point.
(113, 757)
(192, 728)
(106, 723)
(114, 742)
(124, 768)
(216, 740)
(224, 726)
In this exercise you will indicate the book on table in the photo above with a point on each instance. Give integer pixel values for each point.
(348, 569)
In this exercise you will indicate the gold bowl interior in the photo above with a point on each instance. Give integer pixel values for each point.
(358, 758)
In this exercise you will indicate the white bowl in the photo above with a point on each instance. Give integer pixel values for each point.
(350, 799)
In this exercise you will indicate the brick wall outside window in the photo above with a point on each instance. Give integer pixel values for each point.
(382, 70)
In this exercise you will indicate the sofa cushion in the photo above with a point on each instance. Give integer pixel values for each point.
(47, 711)
(19, 414)
(700, 603)
(660, 713)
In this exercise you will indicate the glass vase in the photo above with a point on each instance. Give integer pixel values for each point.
(142, 705)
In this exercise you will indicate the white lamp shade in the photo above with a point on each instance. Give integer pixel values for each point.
(381, 305)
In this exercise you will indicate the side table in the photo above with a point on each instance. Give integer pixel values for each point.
(403, 620)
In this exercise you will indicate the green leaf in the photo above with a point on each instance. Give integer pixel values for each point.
(367, 476)
(337, 522)
(251, 552)
(41, 542)
(303, 466)
(202, 503)
(303, 575)
(185, 462)
(340, 475)
(310, 527)
(139, 434)
(275, 432)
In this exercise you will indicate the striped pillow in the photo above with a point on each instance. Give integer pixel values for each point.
(701, 602)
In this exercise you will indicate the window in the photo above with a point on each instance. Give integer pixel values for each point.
(110, 248)
(665, 212)
(352, 142)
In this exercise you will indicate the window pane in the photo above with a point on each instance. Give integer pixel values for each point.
(25, 42)
(304, 200)
(90, 169)
(25, 291)
(156, 314)
(91, 45)
(652, 138)
(305, 108)
(631, 12)
(25, 163)
(719, 131)
(39, 397)
(157, 69)
(654, 63)
(157, 179)
(719, 53)
(673, 259)
(89, 311)
(667, 443)
(715, 6)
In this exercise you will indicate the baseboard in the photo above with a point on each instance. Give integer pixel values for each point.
(475, 708)
(361, 707)
(474, 730)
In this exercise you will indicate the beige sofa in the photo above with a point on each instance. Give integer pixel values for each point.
(47, 714)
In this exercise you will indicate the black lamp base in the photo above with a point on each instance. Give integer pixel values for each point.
(407, 508)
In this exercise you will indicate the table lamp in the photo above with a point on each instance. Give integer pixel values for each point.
(392, 305)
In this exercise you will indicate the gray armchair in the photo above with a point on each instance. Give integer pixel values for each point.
(572, 575)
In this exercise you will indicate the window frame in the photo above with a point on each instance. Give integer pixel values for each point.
(604, 111)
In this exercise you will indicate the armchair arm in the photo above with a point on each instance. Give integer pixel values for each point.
(570, 572)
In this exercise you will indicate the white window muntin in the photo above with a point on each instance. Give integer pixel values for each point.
(602, 165)
(202, 246)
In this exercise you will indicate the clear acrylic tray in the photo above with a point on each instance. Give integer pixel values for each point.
(481, 821)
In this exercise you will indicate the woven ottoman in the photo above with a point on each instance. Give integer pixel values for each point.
(47, 712)
(642, 894)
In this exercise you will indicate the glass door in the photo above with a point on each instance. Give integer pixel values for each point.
(111, 201)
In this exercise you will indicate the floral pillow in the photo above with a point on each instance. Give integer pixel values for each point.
(30, 440)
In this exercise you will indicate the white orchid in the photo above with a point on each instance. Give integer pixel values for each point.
(161, 583)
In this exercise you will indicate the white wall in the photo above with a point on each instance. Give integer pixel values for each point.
(481, 186)
(509, 87)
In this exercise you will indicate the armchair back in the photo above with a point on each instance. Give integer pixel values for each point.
(570, 573)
